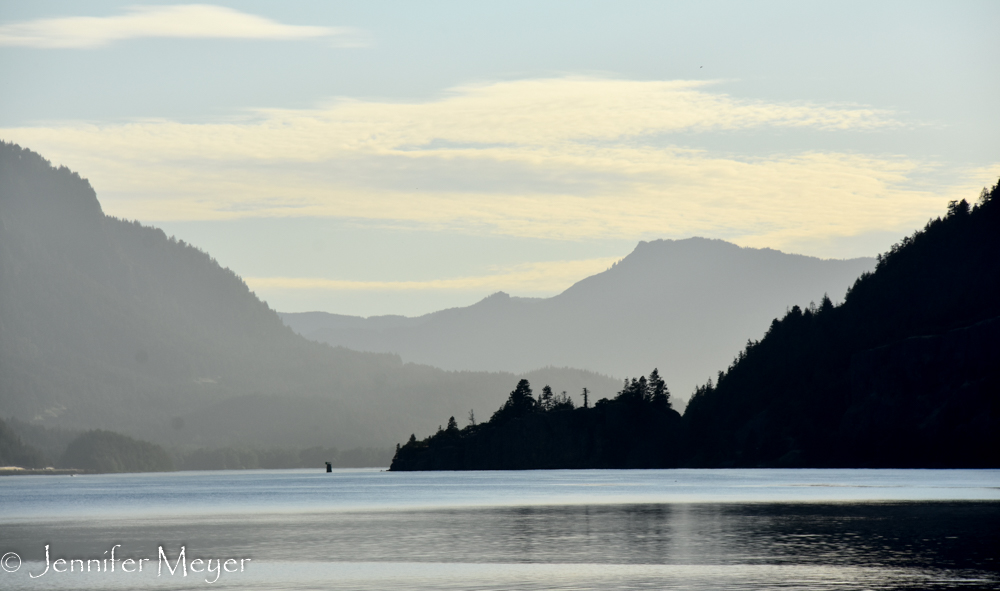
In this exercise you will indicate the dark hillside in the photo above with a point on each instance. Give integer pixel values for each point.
(903, 373)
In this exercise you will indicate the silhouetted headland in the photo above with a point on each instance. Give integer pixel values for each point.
(904, 373)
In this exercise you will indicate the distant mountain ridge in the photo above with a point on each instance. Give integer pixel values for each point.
(109, 324)
(905, 373)
(684, 306)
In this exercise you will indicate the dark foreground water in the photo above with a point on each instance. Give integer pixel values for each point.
(365, 529)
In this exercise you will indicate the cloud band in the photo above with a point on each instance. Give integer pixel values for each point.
(181, 21)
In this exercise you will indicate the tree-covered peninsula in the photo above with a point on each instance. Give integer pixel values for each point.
(636, 429)
(904, 373)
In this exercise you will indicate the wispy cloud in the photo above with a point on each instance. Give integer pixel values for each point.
(189, 20)
(567, 157)
(538, 277)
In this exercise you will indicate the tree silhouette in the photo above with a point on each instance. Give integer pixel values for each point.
(520, 402)
(658, 392)
(545, 400)
(637, 429)
(562, 402)
(636, 390)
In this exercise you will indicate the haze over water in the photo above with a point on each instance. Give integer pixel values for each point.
(588, 529)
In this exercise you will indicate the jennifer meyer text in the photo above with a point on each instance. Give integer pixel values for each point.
(112, 562)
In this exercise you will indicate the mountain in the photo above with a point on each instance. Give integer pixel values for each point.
(109, 324)
(683, 306)
(905, 373)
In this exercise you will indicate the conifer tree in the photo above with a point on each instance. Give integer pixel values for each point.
(520, 402)
(545, 401)
(658, 392)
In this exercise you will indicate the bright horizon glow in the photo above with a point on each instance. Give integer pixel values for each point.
(550, 276)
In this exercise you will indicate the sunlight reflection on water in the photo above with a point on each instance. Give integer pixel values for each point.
(752, 529)
(555, 577)
(214, 493)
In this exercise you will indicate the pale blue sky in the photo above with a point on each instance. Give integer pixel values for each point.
(328, 151)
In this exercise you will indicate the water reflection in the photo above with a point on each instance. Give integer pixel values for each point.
(758, 545)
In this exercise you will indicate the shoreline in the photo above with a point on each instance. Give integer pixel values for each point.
(17, 471)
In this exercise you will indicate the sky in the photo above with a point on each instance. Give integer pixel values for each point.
(373, 158)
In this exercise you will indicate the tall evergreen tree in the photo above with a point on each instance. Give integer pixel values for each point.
(545, 400)
(520, 402)
(658, 392)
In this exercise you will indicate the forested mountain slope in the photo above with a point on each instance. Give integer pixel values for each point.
(906, 372)
(108, 324)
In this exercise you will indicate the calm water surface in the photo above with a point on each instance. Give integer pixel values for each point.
(593, 529)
